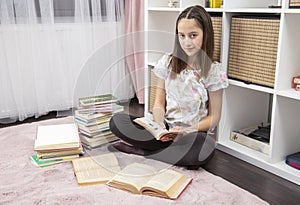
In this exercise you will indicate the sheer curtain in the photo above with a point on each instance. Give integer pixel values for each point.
(54, 51)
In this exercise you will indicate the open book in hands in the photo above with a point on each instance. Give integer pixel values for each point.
(157, 131)
(144, 179)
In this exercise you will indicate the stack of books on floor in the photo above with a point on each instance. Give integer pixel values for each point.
(93, 116)
(56, 143)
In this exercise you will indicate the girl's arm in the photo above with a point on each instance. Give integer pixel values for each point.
(160, 103)
(214, 112)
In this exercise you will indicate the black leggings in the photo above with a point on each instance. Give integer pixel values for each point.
(193, 149)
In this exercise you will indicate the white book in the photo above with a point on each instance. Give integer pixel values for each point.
(52, 137)
(250, 142)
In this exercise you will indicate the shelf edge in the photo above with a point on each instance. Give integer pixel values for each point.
(251, 86)
(276, 168)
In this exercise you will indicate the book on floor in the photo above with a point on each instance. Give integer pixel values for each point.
(94, 128)
(97, 169)
(156, 130)
(144, 179)
(50, 154)
(92, 119)
(57, 137)
(100, 108)
(93, 142)
(48, 162)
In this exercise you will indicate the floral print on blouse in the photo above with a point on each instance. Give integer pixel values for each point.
(187, 94)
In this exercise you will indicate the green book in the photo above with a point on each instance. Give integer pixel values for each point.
(95, 100)
(44, 162)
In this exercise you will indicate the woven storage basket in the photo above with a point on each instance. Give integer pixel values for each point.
(253, 49)
(217, 26)
(295, 3)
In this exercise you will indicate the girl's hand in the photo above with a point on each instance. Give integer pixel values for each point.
(168, 137)
(172, 136)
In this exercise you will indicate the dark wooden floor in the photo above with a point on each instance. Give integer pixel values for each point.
(267, 186)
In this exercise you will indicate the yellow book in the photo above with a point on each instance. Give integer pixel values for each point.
(95, 169)
(144, 179)
(215, 3)
(49, 154)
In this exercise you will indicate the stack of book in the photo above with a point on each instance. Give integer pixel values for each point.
(93, 116)
(56, 143)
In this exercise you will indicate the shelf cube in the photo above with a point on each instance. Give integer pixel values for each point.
(253, 49)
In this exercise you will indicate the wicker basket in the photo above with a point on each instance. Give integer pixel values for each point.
(253, 49)
(294, 3)
(217, 26)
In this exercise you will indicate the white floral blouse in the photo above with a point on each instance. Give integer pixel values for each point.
(187, 94)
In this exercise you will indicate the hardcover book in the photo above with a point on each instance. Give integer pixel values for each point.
(47, 154)
(57, 137)
(95, 100)
(293, 160)
(262, 147)
(144, 179)
(48, 162)
(93, 142)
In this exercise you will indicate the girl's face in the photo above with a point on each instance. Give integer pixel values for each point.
(190, 36)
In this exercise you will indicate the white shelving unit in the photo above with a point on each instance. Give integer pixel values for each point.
(244, 104)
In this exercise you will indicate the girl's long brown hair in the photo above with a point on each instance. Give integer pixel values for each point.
(179, 57)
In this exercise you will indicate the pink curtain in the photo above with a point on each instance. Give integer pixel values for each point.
(134, 30)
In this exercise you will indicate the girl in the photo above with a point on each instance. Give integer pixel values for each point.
(188, 96)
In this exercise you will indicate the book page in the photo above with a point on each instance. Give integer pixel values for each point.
(157, 131)
(95, 162)
(96, 169)
(163, 180)
(168, 183)
(153, 127)
(135, 174)
(99, 175)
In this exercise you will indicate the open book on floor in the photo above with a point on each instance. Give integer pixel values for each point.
(144, 179)
(97, 169)
(156, 130)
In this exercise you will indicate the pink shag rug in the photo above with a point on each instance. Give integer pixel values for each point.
(23, 183)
